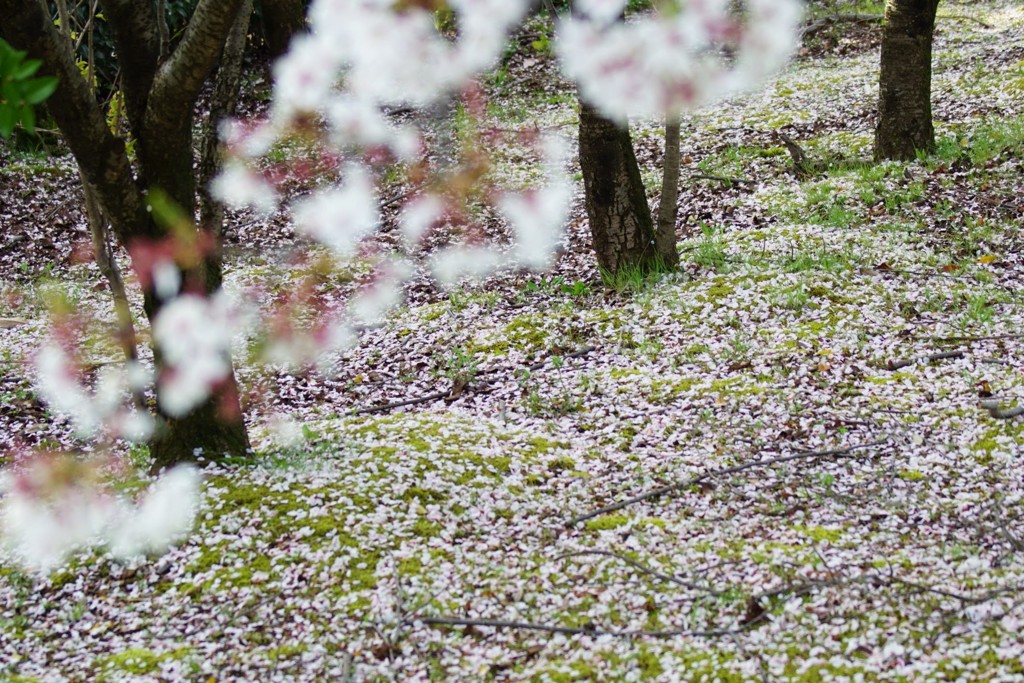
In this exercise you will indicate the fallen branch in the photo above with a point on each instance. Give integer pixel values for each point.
(996, 337)
(821, 23)
(671, 488)
(800, 161)
(436, 396)
(964, 17)
(992, 406)
(458, 388)
(907, 362)
(725, 180)
(583, 630)
(748, 622)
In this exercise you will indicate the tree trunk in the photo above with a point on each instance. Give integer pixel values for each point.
(282, 19)
(160, 96)
(666, 232)
(222, 106)
(904, 103)
(126, 336)
(616, 203)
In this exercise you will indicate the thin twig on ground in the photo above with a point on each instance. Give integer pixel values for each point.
(672, 488)
(462, 388)
(966, 340)
(584, 630)
(821, 23)
(907, 362)
(725, 180)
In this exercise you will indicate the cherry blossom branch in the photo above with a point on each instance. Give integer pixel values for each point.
(678, 486)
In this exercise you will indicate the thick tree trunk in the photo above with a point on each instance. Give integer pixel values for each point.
(666, 231)
(904, 102)
(282, 19)
(620, 219)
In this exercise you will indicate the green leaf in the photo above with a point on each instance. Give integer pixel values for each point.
(26, 69)
(38, 89)
(10, 94)
(28, 118)
(8, 117)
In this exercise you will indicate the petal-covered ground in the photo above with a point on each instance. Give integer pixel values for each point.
(804, 401)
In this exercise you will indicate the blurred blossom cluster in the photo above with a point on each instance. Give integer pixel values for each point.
(335, 89)
(677, 59)
(55, 505)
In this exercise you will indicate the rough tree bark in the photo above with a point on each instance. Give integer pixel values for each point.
(160, 95)
(282, 19)
(222, 106)
(905, 82)
(665, 235)
(616, 203)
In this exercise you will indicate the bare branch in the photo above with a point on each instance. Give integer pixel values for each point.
(993, 408)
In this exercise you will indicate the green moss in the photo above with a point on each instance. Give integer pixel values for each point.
(139, 661)
(820, 533)
(286, 651)
(424, 496)
(541, 444)
(563, 464)
(912, 475)
(892, 377)
(525, 334)
(736, 387)
(424, 528)
(667, 390)
(716, 292)
(433, 311)
(606, 522)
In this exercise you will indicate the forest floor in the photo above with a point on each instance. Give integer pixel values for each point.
(802, 399)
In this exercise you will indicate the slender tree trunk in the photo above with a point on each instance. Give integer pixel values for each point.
(905, 82)
(163, 30)
(620, 219)
(667, 208)
(222, 106)
(282, 19)
(126, 336)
